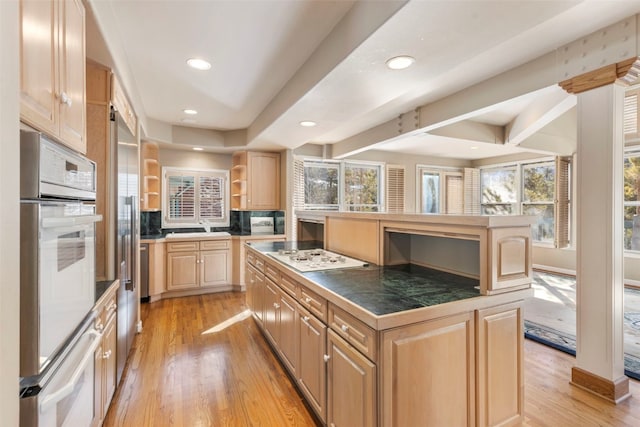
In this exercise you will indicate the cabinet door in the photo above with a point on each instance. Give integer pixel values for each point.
(182, 270)
(215, 268)
(351, 386)
(271, 311)
(39, 64)
(259, 295)
(250, 280)
(288, 333)
(264, 181)
(109, 362)
(98, 386)
(72, 75)
(311, 369)
(500, 365)
(428, 372)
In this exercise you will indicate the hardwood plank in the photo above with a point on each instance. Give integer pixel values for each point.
(178, 376)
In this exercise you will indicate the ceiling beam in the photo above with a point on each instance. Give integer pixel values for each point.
(472, 131)
(539, 113)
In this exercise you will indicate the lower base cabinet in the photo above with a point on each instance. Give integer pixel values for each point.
(311, 372)
(105, 368)
(428, 373)
(351, 386)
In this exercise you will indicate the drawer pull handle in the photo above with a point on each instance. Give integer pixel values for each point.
(305, 318)
(326, 357)
(276, 305)
(113, 307)
(99, 327)
(107, 354)
(344, 328)
(307, 300)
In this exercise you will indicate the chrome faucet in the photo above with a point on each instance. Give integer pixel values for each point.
(206, 225)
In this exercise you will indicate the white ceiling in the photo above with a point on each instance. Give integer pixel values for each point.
(276, 63)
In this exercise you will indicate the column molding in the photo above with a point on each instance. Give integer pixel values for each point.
(624, 72)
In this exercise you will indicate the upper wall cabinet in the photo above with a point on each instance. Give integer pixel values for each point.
(52, 69)
(255, 181)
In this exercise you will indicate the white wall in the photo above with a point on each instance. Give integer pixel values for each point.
(193, 159)
(9, 213)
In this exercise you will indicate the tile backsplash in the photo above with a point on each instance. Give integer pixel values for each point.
(240, 223)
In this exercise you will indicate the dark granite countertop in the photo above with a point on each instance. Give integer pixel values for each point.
(386, 289)
(101, 288)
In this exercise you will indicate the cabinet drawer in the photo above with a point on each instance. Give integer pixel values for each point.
(214, 244)
(251, 257)
(182, 246)
(259, 265)
(359, 335)
(272, 272)
(288, 284)
(313, 302)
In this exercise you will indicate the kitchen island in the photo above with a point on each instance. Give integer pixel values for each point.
(392, 345)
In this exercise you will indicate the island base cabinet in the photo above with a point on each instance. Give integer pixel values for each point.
(351, 386)
(500, 365)
(312, 338)
(428, 372)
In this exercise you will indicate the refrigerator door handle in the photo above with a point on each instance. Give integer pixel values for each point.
(130, 282)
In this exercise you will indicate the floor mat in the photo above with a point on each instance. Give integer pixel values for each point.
(567, 344)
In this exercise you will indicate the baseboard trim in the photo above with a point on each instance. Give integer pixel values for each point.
(614, 391)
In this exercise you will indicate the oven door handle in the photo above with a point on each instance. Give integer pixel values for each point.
(70, 221)
(67, 389)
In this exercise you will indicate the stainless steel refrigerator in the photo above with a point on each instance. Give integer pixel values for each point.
(126, 148)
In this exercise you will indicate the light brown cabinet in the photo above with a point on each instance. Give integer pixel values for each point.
(279, 321)
(198, 264)
(255, 181)
(351, 386)
(52, 69)
(311, 370)
(150, 177)
(105, 380)
(428, 372)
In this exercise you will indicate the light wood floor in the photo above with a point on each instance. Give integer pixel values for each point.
(178, 376)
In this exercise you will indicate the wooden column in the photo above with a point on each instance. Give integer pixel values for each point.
(600, 251)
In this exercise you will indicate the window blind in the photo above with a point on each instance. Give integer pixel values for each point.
(211, 197)
(298, 195)
(630, 114)
(454, 194)
(181, 196)
(395, 188)
(471, 191)
(562, 202)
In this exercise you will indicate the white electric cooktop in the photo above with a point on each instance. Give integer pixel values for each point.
(315, 259)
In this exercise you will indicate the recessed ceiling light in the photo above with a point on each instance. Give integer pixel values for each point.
(473, 147)
(198, 148)
(198, 64)
(308, 123)
(400, 62)
(191, 112)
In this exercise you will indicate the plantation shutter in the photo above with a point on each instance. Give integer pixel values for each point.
(471, 191)
(562, 202)
(630, 114)
(211, 191)
(298, 195)
(181, 200)
(454, 194)
(395, 188)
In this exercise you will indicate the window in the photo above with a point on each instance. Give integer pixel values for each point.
(362, 189)
(632, 201)
(193, 197)
(333, 185)
(441, 190)
(499, 191)
(321, 185)
(540, 189)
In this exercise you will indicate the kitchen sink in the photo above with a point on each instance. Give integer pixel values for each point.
(197, 234)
